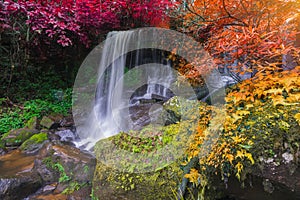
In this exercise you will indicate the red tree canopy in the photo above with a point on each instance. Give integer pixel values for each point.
(67, 20)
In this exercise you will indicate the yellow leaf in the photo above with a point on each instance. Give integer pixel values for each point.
(242, 112)
(278, 100)
(239, 166)
(293, 98)
(235, 117)
(230, 157)
(249, 106)
(240, 154)
(249, 156)
(297, 117)
(237, 139)
(193, 176)
(273, 91)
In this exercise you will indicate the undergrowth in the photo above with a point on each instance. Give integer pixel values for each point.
(15, 115)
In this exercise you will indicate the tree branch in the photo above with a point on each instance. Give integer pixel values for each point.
(232, 17)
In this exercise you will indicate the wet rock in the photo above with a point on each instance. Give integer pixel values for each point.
(2, 152)
(64, 170)
(16, 137)
(66, 135)
(53, 137)
(159, 98)
(67, 121)
(49, 188)
(77, 165)
(19, 187)
(17, 177)
(288, 157)
(255, 188)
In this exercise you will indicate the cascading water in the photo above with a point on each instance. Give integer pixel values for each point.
(116, 90)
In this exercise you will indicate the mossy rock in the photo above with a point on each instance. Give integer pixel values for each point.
(32, 123)
(140, 164)
(16, 137)
(34, 143)
(179, 108)
(47, 122)
(110, 183)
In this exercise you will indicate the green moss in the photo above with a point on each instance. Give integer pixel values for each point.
(17, 137)
(160, 184)
(34, 140)
(31, 124)
(2, 144)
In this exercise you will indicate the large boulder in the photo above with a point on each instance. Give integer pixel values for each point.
(138, 165)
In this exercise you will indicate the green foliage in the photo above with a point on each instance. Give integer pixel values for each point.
(92, 195)
(10, 120)
(33, 84)
(58, 101)
(73, 186)
(63, 176)
(136, 144)
(86, 169)
(148, 139)
(149, 185)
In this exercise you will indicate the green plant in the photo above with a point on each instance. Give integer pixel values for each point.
(92, 195)
(73, 186)
(63, 177)
(86, 169)
(17, 116)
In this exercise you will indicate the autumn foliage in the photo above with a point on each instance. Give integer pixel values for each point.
(258, 37)
(246, 35)
(70, 21)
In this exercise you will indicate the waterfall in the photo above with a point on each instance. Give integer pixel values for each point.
(117, 89)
